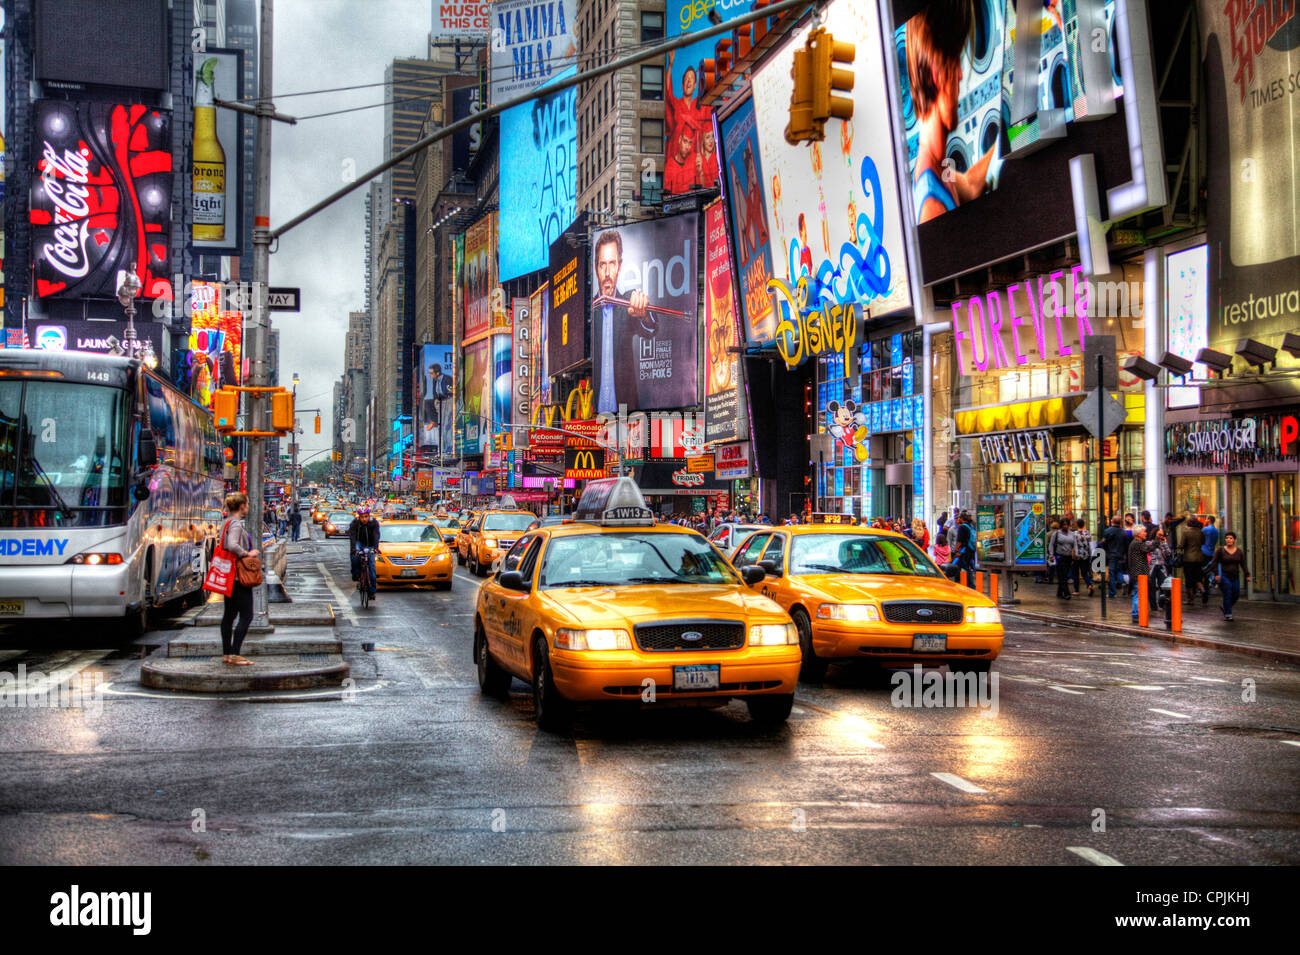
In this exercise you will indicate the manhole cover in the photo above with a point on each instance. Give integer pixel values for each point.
(1258, 732)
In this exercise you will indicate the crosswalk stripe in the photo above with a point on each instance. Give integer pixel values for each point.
(1093, 856)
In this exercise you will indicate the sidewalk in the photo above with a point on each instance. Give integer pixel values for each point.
(1260, 628)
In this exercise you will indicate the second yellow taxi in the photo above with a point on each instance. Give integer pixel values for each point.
(412, 552)
(856, 593)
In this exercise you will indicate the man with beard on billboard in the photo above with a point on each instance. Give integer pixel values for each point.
(615, 366)
(437, 391)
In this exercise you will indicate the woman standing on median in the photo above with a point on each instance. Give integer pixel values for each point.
(240, 602)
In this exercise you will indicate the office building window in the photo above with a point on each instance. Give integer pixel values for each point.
(652, 136)
(652, 25)
(652, 82)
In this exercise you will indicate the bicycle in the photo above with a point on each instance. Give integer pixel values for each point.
(366, 580)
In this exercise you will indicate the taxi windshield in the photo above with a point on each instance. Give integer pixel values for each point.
(508, 522)
(410, 533)
(859, 554)
(610, 560)
(338, 517)
(450, 523)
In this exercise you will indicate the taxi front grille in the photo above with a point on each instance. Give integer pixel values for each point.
(914, 611)
(404, 562)
(713, 635)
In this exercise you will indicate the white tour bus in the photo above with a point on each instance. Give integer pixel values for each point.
(109, 478)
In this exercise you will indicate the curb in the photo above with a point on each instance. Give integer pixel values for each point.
(1278, 656)
(210, 675)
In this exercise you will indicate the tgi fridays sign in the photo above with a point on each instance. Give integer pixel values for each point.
(1017, 447)
(1233, 442)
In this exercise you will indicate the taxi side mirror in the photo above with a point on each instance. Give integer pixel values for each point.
(770, 567)
(513, 580)
(751, 574)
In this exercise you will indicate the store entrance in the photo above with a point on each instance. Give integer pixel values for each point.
(1260, 544)
(900, 501)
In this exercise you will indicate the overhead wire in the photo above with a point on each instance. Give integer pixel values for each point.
(581, 60)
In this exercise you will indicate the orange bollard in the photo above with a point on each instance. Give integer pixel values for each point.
(979, 581)
(993, 588)
(1143, 608)
(1176, 605)
(963, 578)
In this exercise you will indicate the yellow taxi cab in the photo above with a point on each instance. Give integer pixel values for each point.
(493, 533)
(318, 512)
(614, 607)
(448, 527)
(412, 552)
(858, 593)
(461, 545)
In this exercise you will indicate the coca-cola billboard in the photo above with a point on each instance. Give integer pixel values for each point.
(100, 199)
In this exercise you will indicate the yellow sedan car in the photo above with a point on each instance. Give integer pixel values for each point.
(856, 593)
(614, 607)
(412, 552)
(489, 537)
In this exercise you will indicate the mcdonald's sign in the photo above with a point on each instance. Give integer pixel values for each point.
(583, 464)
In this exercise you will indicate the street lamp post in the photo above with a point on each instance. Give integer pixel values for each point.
(126, 293)
(293, 448)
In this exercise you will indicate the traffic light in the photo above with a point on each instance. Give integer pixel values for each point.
(800, 127)
(317, 424)
(225, 409)
(829, 80)
(282, 411)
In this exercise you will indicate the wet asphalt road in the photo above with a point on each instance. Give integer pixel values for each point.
(416, 767)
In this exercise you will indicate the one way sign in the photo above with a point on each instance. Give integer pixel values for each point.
(283, 299)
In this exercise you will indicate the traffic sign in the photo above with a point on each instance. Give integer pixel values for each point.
(1103, 346)
(1089, 412)
(284, 299)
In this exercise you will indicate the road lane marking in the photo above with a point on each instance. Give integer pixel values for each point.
(338, 594)
(1138, 686)
(1181, 716)
(69, 666)
(958, 783)
(1093, 856)
(1292, 742)
(1209, 679)
(1061, 689)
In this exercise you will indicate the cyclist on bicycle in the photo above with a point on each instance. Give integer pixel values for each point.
(363, 534)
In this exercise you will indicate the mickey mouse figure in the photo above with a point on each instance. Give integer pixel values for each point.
(849, 425)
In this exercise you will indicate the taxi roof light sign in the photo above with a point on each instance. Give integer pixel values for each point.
(613, 501)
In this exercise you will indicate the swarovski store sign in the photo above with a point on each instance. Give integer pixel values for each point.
(1016, 447)
(1233, 443)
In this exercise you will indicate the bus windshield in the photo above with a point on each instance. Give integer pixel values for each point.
(61, 454)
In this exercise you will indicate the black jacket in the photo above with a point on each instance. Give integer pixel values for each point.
(363, 535)
(1116, 542)
(626, 365)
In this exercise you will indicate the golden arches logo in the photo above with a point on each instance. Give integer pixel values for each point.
(584, 461)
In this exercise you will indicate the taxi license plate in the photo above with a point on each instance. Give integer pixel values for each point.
(929, 643)
(703, 676)
(410, 572)
(11, 607)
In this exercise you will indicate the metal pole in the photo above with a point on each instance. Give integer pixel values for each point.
(1101, 472)
(259, 313)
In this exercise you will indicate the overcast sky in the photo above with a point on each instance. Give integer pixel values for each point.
(322, 44)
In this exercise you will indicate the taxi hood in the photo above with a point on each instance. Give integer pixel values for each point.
(645, 603)
(855, 588)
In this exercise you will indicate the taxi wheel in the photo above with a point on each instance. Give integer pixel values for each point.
(814, 667)
(553, 711)
(492, 680)
(770, 710)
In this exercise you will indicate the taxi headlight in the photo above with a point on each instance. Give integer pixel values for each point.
(983, 615)
(593, 639)
(489, 542)
(854, 613)
(772, 634)
(441, 557)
